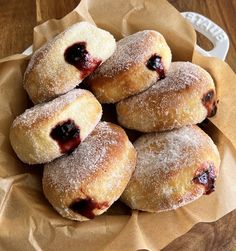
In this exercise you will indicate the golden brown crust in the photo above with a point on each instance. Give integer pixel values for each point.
(167, 164)
(171, 103)
(48, 75)
(30, 132)
(98, 171)
(126, 73)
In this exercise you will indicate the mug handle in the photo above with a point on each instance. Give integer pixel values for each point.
(212, 31)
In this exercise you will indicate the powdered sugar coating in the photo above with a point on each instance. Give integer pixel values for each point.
(48, 75)
(166, 165)
(67, 173)
(172, 152)
(170, 103)
(47, 110)
(181, 75)
(97, 171)
(31, 133)
(130, 50)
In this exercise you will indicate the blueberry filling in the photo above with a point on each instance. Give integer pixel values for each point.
(209, 101)
(154, 63)
(78, 56)
(67, 135)
(207, 179)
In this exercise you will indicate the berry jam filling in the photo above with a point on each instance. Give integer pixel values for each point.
(154, 64)
(78, 56)
(209, 101)
(207, 178)
(86, 206)
(67, 135)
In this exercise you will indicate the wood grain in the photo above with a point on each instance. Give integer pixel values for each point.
(17, 19)
(216, 236)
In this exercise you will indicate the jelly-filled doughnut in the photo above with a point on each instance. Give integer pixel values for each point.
(49, 130)
(186, 96)
(62, 63)
(86, 182)
(173, 168)
(139, 60)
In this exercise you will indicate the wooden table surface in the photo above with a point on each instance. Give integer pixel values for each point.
(17, 19)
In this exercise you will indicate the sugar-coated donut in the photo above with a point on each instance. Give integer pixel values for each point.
(87, 182)
(173, 168)
(47, 131)
(139, 60)
(62, 63)
(186, 96)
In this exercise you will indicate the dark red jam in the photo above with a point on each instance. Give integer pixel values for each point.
(86, 206)
(67, 135)
(206, 178)
(210, 102)
(78, 56)
(154, 63)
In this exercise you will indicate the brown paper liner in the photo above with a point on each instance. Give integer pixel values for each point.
(27, 219)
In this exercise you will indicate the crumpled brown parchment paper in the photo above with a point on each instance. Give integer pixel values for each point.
(27, 220)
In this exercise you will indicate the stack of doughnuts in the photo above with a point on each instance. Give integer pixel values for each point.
(63, 116)
(176, 161)
(89, 164)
